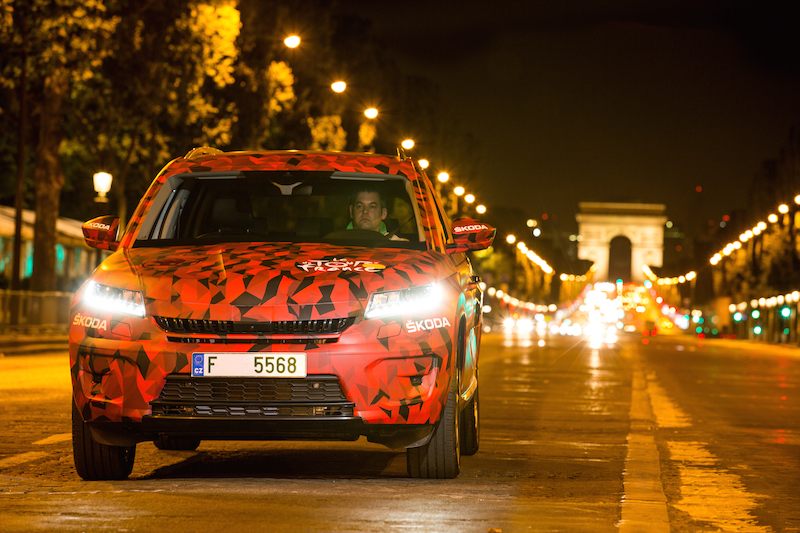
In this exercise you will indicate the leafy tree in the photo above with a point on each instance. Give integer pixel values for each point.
(158, 92)
(66, 40)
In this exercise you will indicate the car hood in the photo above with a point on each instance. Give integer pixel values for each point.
(273, 281)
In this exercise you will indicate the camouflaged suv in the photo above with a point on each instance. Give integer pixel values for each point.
(247, 300)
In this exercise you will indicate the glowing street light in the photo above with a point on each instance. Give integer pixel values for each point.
(469, 198)
(102, 184)
(511, 239)
(481, 209)
(783, 209)
(424, 163)
(371, 112)
(458, 191)
(338, 86)
(292, 41)
(408, 144)
(443, 177)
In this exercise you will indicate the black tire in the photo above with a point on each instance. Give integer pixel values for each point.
(165, 442)
(471, 426)
(95, 461)
(441, 457)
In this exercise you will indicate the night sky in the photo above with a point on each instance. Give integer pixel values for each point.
(608, 101)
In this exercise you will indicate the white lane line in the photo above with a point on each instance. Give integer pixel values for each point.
(644, 507)
(53, 439)
(21, 458)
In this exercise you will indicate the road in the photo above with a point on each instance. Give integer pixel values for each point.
(676, 434)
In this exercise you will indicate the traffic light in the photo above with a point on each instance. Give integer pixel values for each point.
(786, 312)
(755, 314)
(757, 330)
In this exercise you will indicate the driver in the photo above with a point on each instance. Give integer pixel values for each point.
(368, 211)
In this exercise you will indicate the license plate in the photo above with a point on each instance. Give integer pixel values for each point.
(247, 365)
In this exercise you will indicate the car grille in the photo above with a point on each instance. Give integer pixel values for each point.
(281, 327)
(314, 396)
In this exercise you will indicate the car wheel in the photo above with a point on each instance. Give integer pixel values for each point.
(441, 457)
(95, 461)
(471, 426)
(165, 442)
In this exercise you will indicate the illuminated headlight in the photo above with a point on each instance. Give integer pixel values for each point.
(114, 300)
(417, 299)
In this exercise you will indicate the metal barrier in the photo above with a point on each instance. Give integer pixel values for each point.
(21, 308)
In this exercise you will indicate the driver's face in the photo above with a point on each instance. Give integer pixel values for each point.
(366, 211)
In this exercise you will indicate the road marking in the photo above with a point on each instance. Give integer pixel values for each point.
(710, 494)
(19, 459)
(667, 414)
(644, 507)
(53, 439)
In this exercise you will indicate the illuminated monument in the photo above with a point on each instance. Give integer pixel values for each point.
(621, 238)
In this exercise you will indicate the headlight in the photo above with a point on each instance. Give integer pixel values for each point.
(417, 299)
(114, 300)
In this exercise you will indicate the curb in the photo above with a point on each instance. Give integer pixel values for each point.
(33, 345)
(33, 340)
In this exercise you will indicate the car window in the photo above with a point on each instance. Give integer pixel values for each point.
(300, 206)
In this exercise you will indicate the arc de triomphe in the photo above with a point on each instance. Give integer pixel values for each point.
(637, 232)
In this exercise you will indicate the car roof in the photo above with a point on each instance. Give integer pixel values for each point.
(212, 160)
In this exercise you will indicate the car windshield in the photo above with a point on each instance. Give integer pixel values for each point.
(279, 206)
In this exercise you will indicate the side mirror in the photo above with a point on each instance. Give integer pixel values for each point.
(101, 232)
(469, 234)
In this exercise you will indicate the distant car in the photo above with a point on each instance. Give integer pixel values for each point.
(237, 304)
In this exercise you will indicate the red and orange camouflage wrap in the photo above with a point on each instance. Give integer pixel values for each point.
(396, 370)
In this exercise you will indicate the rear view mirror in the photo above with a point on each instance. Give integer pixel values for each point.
(469, 234)
(101, 232)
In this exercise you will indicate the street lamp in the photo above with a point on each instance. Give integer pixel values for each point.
(338, 86)
(459, 190)
(469, 198)
(408, 144)
(292, 41)
(102, 184)
(443, 177)
(481, 209)
(371, 112)
(423, 163)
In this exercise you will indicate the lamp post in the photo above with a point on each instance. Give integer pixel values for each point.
(102, 184)
(458, 192)
(367, 131)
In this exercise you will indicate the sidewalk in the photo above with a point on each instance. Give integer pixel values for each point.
(33, 340)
